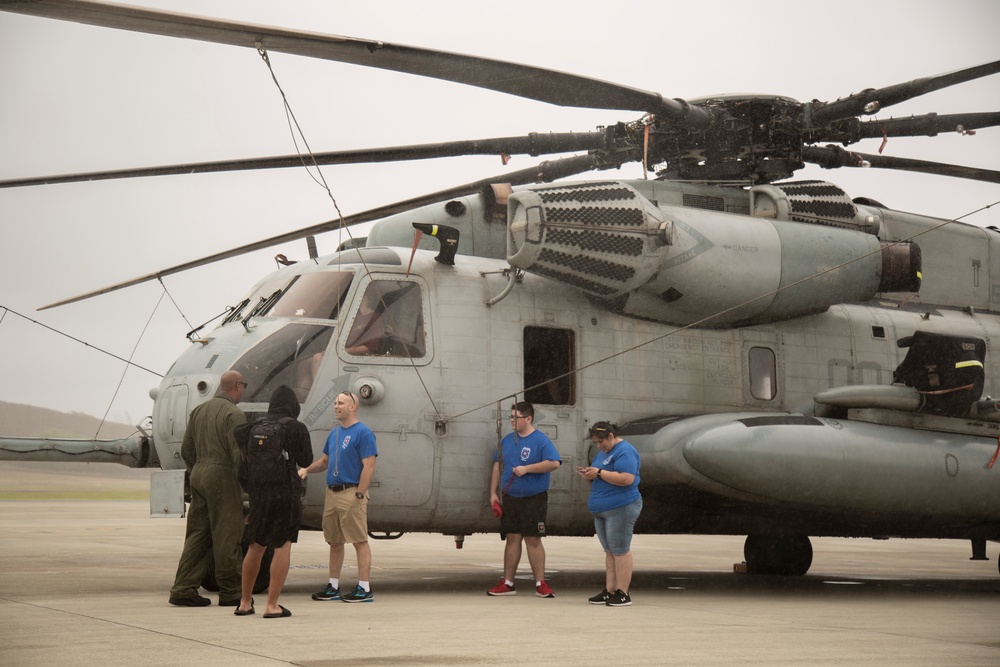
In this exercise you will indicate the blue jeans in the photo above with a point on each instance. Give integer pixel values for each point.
(614, 527)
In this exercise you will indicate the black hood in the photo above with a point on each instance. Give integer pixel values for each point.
(284, 403)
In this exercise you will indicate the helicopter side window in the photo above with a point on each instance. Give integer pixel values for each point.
(763, 373)
(548, 354)
(318, 294)
(389, 321)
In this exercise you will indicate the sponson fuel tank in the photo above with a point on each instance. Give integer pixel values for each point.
(828, 464)
(684, 265)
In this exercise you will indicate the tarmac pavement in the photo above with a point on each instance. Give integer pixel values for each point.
(85, 582)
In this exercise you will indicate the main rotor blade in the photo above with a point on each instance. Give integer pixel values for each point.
(831, 157)
(549, 170)
(522, 80)
(856, 104)
(534, 144)
(928, 125)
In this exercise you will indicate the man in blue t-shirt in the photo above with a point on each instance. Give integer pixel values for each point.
(521, 469)
(349, 460)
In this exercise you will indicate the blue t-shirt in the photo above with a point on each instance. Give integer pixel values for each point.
(346, 447)
(523, 451)
(604, 496)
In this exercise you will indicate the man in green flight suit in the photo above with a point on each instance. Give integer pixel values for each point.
(215, 517)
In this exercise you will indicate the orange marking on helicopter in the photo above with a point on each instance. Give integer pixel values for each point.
(413, 250)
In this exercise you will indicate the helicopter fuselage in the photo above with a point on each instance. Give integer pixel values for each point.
(438, 393)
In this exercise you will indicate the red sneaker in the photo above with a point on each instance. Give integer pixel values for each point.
(543, 590)
(502, 589)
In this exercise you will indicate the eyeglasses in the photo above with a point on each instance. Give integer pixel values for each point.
(514, 418)
(245, 385)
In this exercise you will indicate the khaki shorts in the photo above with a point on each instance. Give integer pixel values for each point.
(345, 518)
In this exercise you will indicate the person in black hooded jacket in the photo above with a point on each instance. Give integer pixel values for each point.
(275, 509)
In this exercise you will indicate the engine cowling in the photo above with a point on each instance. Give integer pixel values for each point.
(685, 265)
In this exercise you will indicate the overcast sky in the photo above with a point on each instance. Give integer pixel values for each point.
(78, 98)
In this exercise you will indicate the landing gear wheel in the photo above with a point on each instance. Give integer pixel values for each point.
(788, 556)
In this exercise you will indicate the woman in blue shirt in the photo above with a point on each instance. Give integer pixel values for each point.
(615, 503)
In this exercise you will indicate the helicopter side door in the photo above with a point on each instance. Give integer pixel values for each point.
(384, 340)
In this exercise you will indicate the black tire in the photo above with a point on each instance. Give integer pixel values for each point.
(788, 556)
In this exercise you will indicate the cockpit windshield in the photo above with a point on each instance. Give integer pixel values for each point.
(318, 294)
(292, 355)
(255, 298)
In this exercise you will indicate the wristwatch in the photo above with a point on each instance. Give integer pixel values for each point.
(359, 495)
(598, 473)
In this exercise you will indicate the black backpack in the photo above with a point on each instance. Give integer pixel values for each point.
(266, 456)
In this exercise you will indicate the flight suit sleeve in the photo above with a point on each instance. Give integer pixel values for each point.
(234, 419)
(242, 434)
(187, 447)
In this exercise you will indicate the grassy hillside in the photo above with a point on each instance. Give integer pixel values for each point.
(28, 421)
(38, 480)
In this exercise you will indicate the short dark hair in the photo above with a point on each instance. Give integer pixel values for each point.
(525, 408)
(603, 430)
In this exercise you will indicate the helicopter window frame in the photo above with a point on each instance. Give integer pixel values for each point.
(549, 352)
(762, 366)
(395, 348)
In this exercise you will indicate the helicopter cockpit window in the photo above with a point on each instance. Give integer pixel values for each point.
(318, 294)
(548, 354)
(292, 355)
(389, 321)
(254, 299)
(763, 374)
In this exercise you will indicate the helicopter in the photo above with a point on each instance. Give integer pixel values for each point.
(742, 327)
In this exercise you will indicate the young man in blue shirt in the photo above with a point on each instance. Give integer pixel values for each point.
(521, 471)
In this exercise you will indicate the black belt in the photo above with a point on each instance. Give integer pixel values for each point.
(341, 487)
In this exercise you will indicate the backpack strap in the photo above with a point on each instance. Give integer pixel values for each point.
(284, 421)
